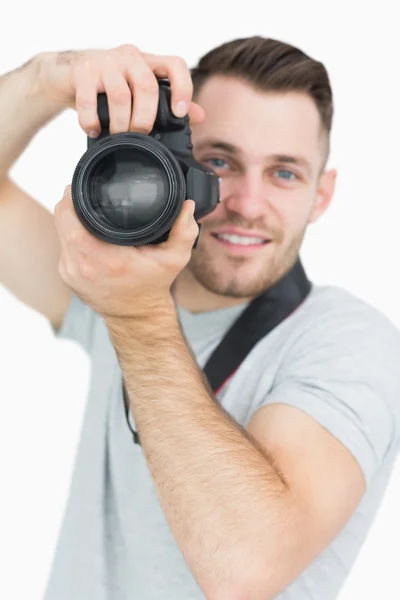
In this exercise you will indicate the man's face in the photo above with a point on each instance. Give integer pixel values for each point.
(268, 150)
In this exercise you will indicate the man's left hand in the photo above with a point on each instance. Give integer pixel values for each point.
(122, 281)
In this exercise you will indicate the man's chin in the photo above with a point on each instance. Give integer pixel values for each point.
(238, 277)
(233, 285)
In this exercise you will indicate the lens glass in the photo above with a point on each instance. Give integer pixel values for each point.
(129, 188)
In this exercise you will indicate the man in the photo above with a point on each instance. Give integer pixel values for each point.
(268, 489)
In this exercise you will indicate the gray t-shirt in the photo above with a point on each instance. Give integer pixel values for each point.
(336, 358)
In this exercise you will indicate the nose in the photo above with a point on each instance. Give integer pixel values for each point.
(245, 195)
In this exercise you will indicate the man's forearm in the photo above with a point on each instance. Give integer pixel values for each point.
(24, 109)
(228, 508)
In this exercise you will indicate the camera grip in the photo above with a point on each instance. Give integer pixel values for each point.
(165, 119)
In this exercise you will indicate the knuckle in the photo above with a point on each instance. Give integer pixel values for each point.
(57, 209)
(74, 237)
(190, 234)
(87, 124)
(120, 94)
(179, 62)
(127, 49)
(189, 238)
(141, 124)
(68, 270)
(86, 270)
(180, 260)
(148, 56)
(84, 101)
(147, 83)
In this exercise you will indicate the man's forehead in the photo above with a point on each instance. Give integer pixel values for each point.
(225, 98)
(219, 89)
(241, 121)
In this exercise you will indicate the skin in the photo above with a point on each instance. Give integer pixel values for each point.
(270, 504)
(275, 198)
(278, 199)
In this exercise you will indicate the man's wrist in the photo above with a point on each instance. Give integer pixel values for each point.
(151, 320)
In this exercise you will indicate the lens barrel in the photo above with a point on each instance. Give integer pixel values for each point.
(128, 189)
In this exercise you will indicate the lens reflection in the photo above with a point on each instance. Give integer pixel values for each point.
(129, 188)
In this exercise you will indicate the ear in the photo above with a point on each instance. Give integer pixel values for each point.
(325, 190)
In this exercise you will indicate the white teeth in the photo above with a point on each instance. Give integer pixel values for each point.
(239, 239)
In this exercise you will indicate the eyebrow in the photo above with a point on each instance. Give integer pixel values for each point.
(234, 150)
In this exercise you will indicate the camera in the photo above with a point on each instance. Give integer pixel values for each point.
(128, 188)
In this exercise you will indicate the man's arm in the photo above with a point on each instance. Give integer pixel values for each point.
(29, 254)
(29, 247)
(30, 97)
(24, 110)
(248, 509)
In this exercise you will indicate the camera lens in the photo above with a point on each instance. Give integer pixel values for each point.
(128, 189)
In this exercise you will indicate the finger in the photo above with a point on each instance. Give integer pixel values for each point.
(59, 210)
(185, 229)
(71, 230)
(76, 239)
(196, 113)
(87, 82)
(145, 90)
(67, 197)
(176, 70)
(74, 261)
(68, 251)
(119, 98)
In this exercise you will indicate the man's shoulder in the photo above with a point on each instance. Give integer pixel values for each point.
(333, 322)
(341, 341)
(329, 304)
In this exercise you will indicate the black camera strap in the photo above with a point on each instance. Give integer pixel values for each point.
(261, 316)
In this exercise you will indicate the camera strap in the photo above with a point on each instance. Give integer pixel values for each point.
(260, 317)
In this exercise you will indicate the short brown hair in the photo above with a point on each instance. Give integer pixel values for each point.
(269, 65)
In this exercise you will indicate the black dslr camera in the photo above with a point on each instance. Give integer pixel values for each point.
(128, 188)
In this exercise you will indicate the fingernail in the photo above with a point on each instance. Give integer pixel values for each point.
(93, 134)
(181, 108)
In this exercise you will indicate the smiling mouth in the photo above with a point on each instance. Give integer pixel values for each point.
(244, 241)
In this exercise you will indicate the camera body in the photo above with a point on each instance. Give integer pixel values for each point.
(128, 188)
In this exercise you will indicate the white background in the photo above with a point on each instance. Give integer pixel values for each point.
(43, 381)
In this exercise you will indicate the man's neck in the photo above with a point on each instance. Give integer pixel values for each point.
(192, 296)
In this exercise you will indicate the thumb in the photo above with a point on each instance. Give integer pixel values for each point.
(185, 229)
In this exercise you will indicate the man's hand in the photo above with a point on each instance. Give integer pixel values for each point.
(74, 79)
(122, 281)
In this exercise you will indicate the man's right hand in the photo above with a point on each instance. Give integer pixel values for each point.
(74, 78)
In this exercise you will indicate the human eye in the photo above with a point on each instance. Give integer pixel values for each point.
(217, 163)
(286, 174)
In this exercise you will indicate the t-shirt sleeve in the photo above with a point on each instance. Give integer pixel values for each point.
(78, 324)
(345, 373)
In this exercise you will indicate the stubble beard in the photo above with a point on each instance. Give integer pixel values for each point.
(238, 277)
